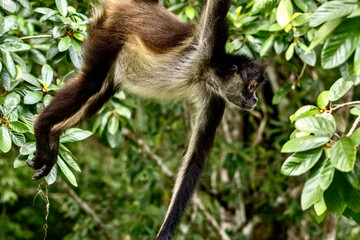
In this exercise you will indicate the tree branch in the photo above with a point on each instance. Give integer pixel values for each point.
(84, 206)
(36, 36)
(342, 106)
(354, 126)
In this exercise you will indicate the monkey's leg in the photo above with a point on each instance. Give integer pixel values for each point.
(200, 145)
(79, 99)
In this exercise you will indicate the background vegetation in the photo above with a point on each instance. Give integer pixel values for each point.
(125, 170)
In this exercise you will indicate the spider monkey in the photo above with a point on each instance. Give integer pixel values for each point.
(140, 47)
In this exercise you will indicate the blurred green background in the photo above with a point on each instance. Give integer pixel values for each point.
(129, 162)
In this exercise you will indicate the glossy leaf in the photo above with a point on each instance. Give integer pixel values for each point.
(51, 177)
(67, 172)
(299, 163)
(323, 100)
(327, 172)
(32, 97)
(341, 44)
(312, 193)
(64, 44)
(316, 125)
(62, 6)
(332, 10)
(343, 154)
(18, 127)
(304, 143)
(339, 89)
(284, 13)
(74, 135)
(5, 140)
(304, 111)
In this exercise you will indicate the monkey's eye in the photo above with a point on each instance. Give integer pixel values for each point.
(233, 69)
(252, 86)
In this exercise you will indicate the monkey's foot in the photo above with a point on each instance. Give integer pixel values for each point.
(44, 166)
(36, 163)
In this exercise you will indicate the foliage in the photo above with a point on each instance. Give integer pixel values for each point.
(313, 52)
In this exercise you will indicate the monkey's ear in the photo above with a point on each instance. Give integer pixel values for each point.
(233, 69)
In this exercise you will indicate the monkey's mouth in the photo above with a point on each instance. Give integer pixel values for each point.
(242, 104)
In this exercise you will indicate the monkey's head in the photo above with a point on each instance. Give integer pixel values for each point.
(236, 78)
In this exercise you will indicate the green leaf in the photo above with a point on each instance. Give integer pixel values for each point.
(353, 177)
(19, 163)
(15, 46)
(308, 58)
(302, 144)
(301, 19)
(327, 171)
(190, 12)
(341, 44)
(356, 136)
(38, 57)
(123, 111)
(5, 140)
(333, 200)
(284, 13)
(332, 10)
(290, 52)
(75, 57)
(69, 160)
(6, 24)
(342, 154)
(355, 110)
(18, 127)
(323, 100)
(47, 74)
(32, 97)
(311, 193)
(351, 196)
(67, 172)
(323, 32)
(64, 44)
(11, 102)
(304, 111)
(62, 6)
(261, 5)
(7, 60)
(51, 177)
(267, 45)
(31, 79)
(281, 93)
(357, 61)
(17, 138)
(74, 135)
(298, 163)
(8, 5)
(113, 125)
(320, 207)
(28, 148)
(301, 4)
(316, 125)
(79, 37)
(25, 4)
(339, 89)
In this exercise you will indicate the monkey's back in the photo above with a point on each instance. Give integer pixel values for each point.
(149, 41)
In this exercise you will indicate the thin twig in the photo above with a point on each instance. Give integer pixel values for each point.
(36, 36)
(354, 126)
(302, 72)
(343, 105)
(146, 149)
(84, 206)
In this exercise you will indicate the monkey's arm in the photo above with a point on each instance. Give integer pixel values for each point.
(213, 27)
(201, 142)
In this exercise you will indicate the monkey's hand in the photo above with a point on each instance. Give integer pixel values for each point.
(44, 162)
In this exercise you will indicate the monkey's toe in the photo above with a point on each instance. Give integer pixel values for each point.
(43, 172)
(36, 163)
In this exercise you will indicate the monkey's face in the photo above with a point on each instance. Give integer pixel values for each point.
(238, 81)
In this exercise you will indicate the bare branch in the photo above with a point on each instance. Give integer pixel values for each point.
(84, 206)
(146, 149)
(347, 104)
(36, 36)
(354, 126)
